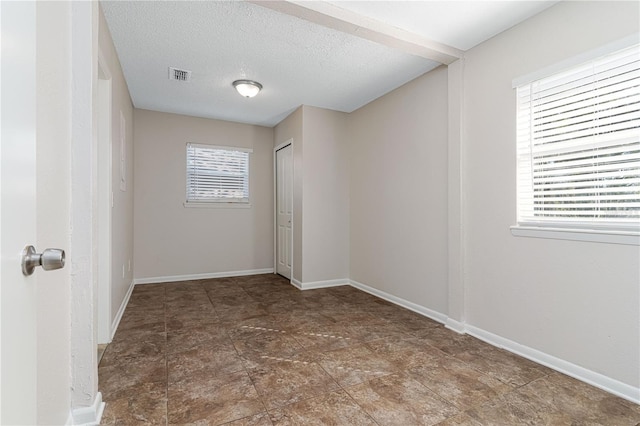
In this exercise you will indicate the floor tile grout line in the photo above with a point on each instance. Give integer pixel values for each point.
(246, 371)
(358, 404)
(437, 394)
(490, 374)
(310, 397)
(264, 405)
(303, 399)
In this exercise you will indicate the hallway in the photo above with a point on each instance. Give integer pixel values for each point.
(256, 351)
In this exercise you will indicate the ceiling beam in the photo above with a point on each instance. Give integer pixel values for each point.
(332, 16)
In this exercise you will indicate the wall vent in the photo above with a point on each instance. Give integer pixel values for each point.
(178, 74)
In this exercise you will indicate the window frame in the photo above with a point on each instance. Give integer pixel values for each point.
(627, 233)
(219, 202)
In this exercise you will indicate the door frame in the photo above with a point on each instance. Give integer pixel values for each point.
(86, 400)
(275, 207)
(105, 199)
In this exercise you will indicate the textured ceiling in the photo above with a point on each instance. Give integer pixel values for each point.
(297, 62)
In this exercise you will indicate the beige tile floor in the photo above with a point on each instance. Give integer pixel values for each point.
(256, 351)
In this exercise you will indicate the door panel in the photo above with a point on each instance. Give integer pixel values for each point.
(18, 301)
(284, 209)
(35, 184)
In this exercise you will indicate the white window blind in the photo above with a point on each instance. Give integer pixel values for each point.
(578, 136)
(217, 174)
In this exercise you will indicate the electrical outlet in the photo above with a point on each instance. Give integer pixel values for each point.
(123, 270)
(129, 269)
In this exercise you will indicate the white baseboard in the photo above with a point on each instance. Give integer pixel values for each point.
(430, 313)
(453, 325)
(319, 284)
(598, 380)
(206, 276)
(123, 306)
(88, 416)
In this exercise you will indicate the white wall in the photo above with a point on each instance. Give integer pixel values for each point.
(172, 240)
(122, 211)
(398, 192)
(577, 301)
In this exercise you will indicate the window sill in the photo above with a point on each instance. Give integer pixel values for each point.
(590, 235)
(221, 205)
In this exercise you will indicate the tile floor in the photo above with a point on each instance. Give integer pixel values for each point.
(256, 351)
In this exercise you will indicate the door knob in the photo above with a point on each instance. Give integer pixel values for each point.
(49, 259)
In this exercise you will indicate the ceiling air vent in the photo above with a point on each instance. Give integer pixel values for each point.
(178, 74)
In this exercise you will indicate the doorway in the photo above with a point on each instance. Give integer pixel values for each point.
(284, 208)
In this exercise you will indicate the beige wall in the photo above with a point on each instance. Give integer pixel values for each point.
(122, 212)
(291, 129)
(398, 192)
(326, 196)
(172, 240)
(320, 193)
(577, 301)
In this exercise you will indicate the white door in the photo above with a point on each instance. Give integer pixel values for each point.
(284, 209)
(34, 203)
(18, 213)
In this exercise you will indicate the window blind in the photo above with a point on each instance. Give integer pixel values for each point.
(217, 174)
(578, 137)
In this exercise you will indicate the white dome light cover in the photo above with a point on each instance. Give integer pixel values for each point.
(247, 88)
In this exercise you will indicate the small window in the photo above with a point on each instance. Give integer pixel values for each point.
(217, 174)
(578, 146)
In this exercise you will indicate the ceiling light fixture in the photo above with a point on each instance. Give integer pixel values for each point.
(247, 88)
